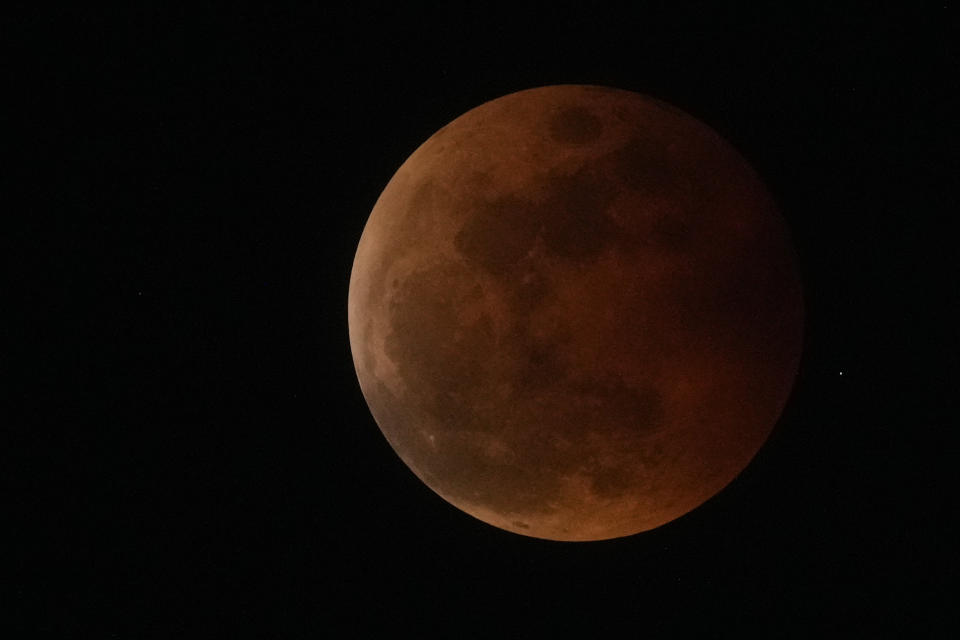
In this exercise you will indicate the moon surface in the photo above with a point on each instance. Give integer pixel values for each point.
(575, 313)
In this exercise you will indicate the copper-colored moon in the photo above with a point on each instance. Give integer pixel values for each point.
(575, 313)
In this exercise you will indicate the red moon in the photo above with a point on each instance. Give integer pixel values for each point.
(575, 313)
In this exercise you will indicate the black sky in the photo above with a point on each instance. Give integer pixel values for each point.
(191, 452)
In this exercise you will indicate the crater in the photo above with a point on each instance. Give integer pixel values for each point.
(575, 224)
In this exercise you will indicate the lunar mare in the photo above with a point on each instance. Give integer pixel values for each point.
(575, 313)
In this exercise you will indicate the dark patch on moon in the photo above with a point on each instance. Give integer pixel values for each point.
(671, 232)
(575, 125)
(428, 343)
(498, 235)
(611, 482)
(643, 164)
(569, 215)
(611, 400)
(541, 366)
(575, 224)
(530, 292)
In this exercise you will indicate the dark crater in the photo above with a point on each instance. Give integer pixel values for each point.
(644, 165)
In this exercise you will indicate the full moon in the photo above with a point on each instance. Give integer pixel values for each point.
(575, 313)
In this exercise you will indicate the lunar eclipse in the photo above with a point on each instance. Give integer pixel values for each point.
(575, 313)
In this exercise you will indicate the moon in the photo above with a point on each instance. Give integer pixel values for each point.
(575, 313)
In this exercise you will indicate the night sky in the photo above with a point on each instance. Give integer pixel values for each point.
(191, 452)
